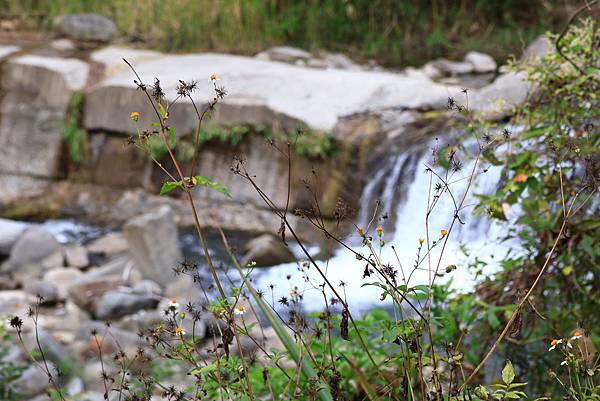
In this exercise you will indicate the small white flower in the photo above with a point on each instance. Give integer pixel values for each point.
(179, 331)
(576, 335)
(563, 363)
(173, 304)
(294, 290)
(569, 344)
(239, 310)
(554, 343)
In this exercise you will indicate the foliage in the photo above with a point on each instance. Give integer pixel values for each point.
(71, 130)
(393, 32)
(196, 181)
(307, 143)
(9, 371)
(550, 172)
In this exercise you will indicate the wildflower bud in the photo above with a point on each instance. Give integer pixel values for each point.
(135, 116)
(520, 177)
(381, 243)
(173, 304)
(421, 241)
(360, 231)
(443, 232)
(379, 231)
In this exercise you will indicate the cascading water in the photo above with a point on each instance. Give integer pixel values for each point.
(404, 188)
(401, 191)
(386, 190)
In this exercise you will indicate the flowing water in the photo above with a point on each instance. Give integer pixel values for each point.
(400, 192)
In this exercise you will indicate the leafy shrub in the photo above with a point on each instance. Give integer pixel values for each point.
(431, 342)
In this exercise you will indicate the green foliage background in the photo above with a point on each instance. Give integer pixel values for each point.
(394, 32)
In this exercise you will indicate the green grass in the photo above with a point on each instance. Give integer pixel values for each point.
(394, 32)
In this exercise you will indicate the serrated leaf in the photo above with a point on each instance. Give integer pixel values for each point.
(508, 373)
(169, 186)
(206, 182)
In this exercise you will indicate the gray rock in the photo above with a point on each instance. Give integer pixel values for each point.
(88, 27)
(126, 338)
(6, 51)
(11, 301)
(152, 240)
(284, 54)
(452, 67)
(499, 99)
(86, 293)
(341, 61)
(116, 304)
(52, 350)
(431, 71)
(111, 58)
(267, 250)
(317, 63)
(33, 246)
(260, 92)
(75, 386)
(14, 186)
(91, 374)
(8, 282)
(37, 94)
(76, 256)
(33, 381)
(538, 49)
(63, 45)
(481, 62)
(56, 259)
(63, 321)
(184, 289)
(109, 245)
(62, 278)
(12, 354)
(10, 231)
(48, 291)
(147, 287)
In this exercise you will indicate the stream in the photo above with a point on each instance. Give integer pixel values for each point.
(402, 191)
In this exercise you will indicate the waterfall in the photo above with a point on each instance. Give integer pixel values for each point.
(403, 187)
(385, 189)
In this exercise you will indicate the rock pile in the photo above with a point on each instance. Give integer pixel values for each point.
(76, 296)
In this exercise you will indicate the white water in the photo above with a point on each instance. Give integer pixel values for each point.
(477, 234)
(403, 189)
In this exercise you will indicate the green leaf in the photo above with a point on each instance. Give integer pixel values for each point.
(206, 182)
(522, 158)
(162, 110)
(508, 373)
(169, 186)
(171, 137)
